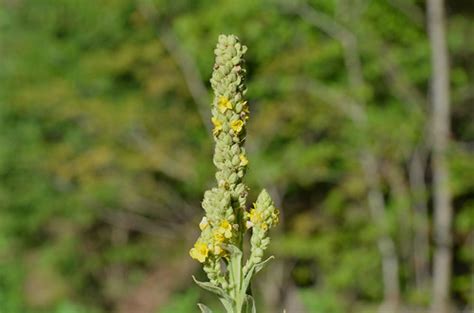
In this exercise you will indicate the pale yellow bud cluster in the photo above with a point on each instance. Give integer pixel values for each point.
(225, 204)
(218, 227)
(260, 219)
(220, 244)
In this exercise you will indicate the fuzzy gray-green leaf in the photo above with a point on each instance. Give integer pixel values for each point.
(204, 308)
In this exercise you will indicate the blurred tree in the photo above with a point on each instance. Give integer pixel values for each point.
(440, 97)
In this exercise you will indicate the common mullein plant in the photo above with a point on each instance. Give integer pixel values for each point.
(227, 221)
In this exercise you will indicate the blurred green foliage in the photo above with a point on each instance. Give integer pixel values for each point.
(104, 152)
(185, 302)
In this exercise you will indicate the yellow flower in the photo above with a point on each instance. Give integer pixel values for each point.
(237, 126)
(199, 252)
(217, 125)
(254, 216)
(218, 237)
(243, 160)
(225, 228)
(224, 104)
(203, 224)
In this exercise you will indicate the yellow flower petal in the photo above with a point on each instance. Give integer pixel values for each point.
(225, 229)
(199, 252)
(243, 160)
(237, 125)
(255, 216)
(217, 125)
(218, 237)
(225, 224)
(203, 224)
(224, 104)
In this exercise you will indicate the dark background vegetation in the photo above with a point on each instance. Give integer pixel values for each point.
(105, 151)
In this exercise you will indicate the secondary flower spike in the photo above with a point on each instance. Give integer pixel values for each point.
(219, 247)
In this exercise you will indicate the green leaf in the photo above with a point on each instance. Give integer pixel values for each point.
(227, 305)
(247, 278)
(259, 266)
(204, 308)
(212, 288)
(235, 269)
(250, 304)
